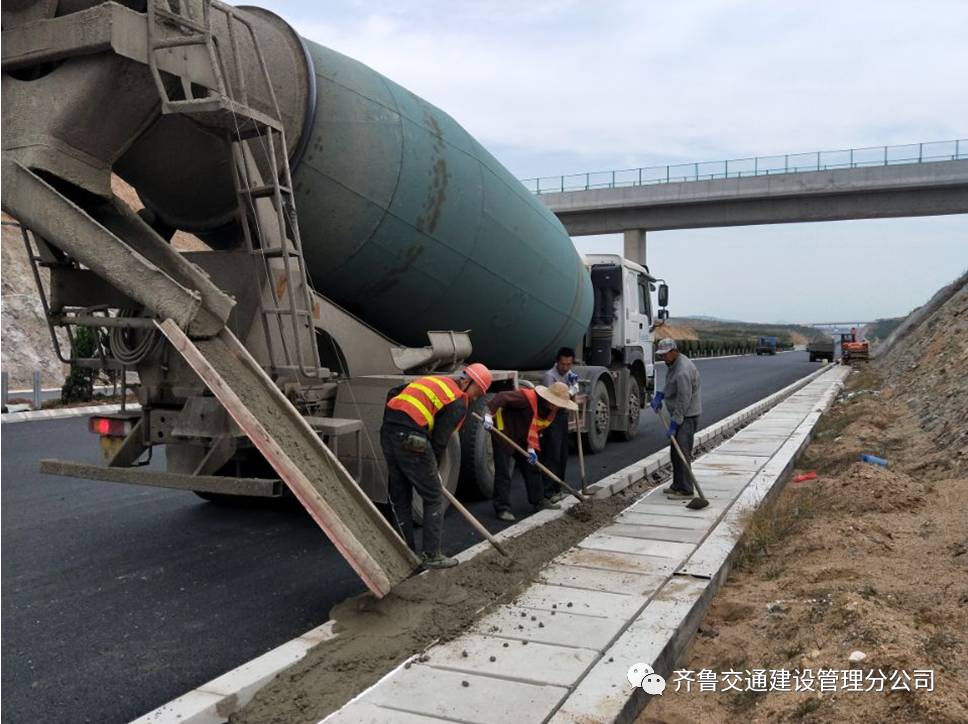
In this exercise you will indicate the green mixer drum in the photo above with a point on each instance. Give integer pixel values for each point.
(410, 224)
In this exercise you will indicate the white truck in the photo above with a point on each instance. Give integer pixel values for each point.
(615, 365)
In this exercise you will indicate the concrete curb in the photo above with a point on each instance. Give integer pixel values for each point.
(65, 412)
(213, 702)
(662, 632)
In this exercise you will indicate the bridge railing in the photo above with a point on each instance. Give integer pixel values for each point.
(754, 166)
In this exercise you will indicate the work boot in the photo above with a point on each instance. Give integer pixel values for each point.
(557, 497)
(676, 494)
(674, 490)
(437, 560)
(506, 515)
(546, 504)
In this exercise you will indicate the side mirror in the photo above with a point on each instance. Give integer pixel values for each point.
(663, 295)
(663, 315)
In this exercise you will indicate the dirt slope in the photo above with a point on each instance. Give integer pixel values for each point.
(864, 558)
(26, 345)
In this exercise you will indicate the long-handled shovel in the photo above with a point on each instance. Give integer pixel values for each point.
(469, 517)
(540, 467)
(581, 455)
(699, 501)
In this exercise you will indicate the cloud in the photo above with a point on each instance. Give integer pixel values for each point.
(645, 82)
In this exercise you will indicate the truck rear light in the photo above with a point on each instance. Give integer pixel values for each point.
(109, 426)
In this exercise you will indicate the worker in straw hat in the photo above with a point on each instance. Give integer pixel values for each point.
(523, 415)
(682, 398)
(418, 421)
(554, 441)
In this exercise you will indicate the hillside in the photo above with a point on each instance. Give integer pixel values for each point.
(729, 332)
(881, 329)
(26, 344)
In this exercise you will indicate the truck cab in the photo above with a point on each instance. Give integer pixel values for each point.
(617, 362)
(765, 345)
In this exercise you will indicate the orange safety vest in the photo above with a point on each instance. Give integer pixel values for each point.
(537, 423)
(423, 398)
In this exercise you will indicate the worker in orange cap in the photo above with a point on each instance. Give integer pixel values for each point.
(418, 421)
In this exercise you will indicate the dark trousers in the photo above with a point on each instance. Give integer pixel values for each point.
(408, 471)
(554, 451)
(685, 436)
(502, 477)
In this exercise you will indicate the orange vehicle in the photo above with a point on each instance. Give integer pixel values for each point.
(852, 349)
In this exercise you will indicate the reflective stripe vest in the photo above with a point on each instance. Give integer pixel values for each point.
(423, 398)
(537, 423)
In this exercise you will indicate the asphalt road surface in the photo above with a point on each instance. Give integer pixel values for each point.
(118, 598)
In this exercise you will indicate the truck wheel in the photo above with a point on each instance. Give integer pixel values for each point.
(599, 411)
(449, 471)
(635, 410)
(476, 457)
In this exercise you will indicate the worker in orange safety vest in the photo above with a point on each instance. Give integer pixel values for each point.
(523, 415)
(418, 421)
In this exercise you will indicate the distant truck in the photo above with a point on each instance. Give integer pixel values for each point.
(766, 345)
(821, 349)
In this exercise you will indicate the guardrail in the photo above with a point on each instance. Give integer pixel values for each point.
(755, 166)
(695, 348)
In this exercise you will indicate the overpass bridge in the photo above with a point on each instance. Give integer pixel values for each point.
(921, 179)
(821, 325)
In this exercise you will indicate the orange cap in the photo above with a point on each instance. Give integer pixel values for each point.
(479, 374)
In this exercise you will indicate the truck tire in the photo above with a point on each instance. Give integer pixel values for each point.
(449, 471)
(476, 458)
(599, 411)
(636, 395)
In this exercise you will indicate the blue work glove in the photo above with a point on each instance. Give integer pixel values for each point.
(656, 402)
(673, 428)
(488, 421)
(571, 378)
(532, 456)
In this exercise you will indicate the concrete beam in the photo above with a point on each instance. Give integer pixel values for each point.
(926, 189)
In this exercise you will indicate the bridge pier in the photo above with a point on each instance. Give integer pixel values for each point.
(634, 245)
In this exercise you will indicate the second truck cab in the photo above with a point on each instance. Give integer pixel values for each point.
(617, 359)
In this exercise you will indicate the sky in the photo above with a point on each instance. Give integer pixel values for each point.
(568, 86)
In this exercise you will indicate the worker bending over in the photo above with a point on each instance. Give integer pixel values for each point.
(554, 442)
(418, 421)
(523, 415)
(682, 399)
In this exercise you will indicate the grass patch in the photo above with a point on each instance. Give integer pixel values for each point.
(769, 524)
(831, 425)
(773, 571)
(806, 708)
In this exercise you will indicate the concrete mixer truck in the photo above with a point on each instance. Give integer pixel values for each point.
(262, 363)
